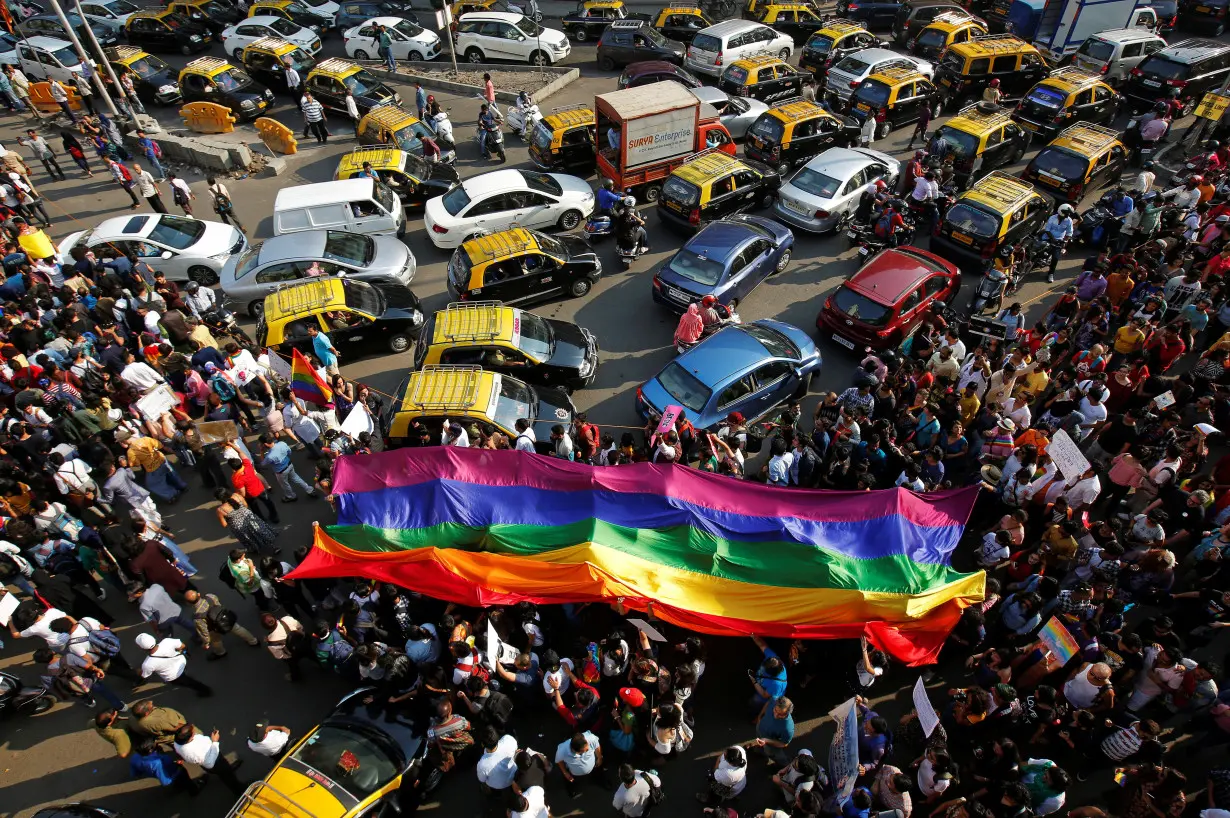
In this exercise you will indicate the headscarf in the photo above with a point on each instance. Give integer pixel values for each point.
(691, 325)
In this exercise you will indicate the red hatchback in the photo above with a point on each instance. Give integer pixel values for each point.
(881, 304)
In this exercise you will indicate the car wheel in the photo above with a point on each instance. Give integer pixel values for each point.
(580, 287)
(474, 55)
(570, 220)
(784, 54)
(399, 342)
(540, 58)
(360, 54)
(652, 193)
(414, 56)
(883, 129)
(783, 168)
(202, 275)
(766, 200)
(804, 388)
(580, 35)
(257, 309)
(782, 263)
(237, 53)
(606, 64)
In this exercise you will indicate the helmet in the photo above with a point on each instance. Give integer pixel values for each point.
(607, 184)
(629, 201)
(1065, 209)
(919, 154)
(193, 286)
(708, 301)
(888, 358)
(1196, 179)
(1222, 219)
(1212, 144)
(1147, 166)
(994, 83)
(1161, 108)
(880, 184)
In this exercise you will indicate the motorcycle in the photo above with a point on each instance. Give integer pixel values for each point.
(522, 121)
(495, 141)
(990, 290)
(629, 252)
(221, 321)
(1093, 223)
(1035, 253)
(870, 243)
(18, 697)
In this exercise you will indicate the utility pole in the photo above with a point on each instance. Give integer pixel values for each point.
(85, 59)
(106, 64)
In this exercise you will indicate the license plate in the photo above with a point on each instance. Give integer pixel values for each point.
(845, 342)
(945, 82)
(1050, 177)
(961, 237)
(755, 140)
(863, 251)
(797, 207)
(260, 104)
(1152, 83)
(673, 205)
(864, 107)
(1202, 9)
(677, 295)
(850, 234)
(1029, 125)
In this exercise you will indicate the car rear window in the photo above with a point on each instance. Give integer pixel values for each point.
(735, 74)
(860, 307)
(932, 38)
(818, 184)
(953, 62)
(1048, 97)
(1061, 163)
(872, 92)
(852, 65)
(696, 267)
(1096, 49)
(974, 220)
(706, 42)
(680, 191)
(1165, 69)
(684, 387)
(820, 43)
(769, 128)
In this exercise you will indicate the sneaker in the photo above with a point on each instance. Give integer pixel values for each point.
(102, 593)
(1050, 278)
(290, 499)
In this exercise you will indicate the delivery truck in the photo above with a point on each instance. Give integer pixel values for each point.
(648, 131)
(1059, 27)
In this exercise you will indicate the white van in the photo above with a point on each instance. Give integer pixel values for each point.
(46, 58)
(1114, 54)
(719, 45)
(366, 206)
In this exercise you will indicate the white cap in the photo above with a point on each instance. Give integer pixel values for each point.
(145, 641)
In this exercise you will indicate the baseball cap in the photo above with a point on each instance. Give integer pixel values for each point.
(632, 696)
(145, 641)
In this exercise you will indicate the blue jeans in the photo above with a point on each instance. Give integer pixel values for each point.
(165, 630)
(11, 100)
(159, 174)
(99, 688)
(71, 117)
(164, 483)
(389, 61)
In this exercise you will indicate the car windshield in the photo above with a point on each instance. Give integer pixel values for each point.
(386, 197)
(66, 56)
(529, 28)
(541, 182)
(1062, 163)
(215, 8)
(364, 298)
(147, 66)
(818, 184)
(820, 43)
(969, 219)
(964, 145)
(248, 261)
(361, 82)
(852, 65)
(872, 92)
(697, 267)
(736, 105)
(652, 35)
(300, 59)
(1161, 68)
(735, 74)
(354, 249)
(358, 762)
(1047, 97)
(778, 345)
(175, 21)
(177, 232)
(516, 400)
(122, 7)
(456, 200)
(932, 38)
(952, 62)
(232, 79)
(542, 136)
(684, 387)
(860, 307)
(408, 28)
(284, 27)
(769, 128)
(1096, 49)
(536, 338)
(550, 244)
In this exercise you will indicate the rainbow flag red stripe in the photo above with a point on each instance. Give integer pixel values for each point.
(305, 383)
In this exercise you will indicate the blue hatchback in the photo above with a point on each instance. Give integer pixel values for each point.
(726, 259)
(356, 13)
(744, 368)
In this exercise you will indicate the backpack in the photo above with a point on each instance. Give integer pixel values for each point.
(656, 796)
(225, 389)
(884, 225)
(125, 173)
(222, 202)
(104, 643)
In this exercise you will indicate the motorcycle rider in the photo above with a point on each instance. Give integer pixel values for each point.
(1058, 230)
(925, 192)
(487, 126)
(913, 170)
(870, 201)
(522, 107)
(889, 225)
(608, 199)
(1145, 179)
(991, 93)
(1188, 195)
(1154, 130)
(200, 300)
(632, 227)
(708, 312)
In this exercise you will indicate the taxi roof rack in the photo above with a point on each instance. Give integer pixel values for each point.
(246, 806)
(506, 245)
(207, 63)
(466, 377)
(683, 4)
(269, 42)
(1073, 74)
(899, 70)
(984, 112)
(952, 16)
(580, 106)
(472, 323)
(1003, 187)
(696, 157)
(121, 52)
(996, 42)
(839, 23)
(636, 23)
(334, 64)
(303, 296)
(1089, 136)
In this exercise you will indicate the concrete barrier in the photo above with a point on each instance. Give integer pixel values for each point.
(416, 73)
(202, 152)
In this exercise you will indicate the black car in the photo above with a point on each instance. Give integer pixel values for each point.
(399, 318)
(75, 811)
(352, 14)
(328, 85)
(915, 15)
(48, 25)
(232, 87)
(592, 17)
(563, 264)
(872, 13)
(650, 71)
(154, 80)
(214, 15)
(167, 32)
(629, 41)
(681, 24)
(270, 70)
(1194, 66)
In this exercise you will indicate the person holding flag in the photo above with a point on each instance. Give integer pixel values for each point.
(305, 383)
(324, 349)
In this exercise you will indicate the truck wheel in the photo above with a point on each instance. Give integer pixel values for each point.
(474, 55)
(652, 193)
(606, 63)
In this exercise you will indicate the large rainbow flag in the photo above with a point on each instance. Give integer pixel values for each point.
(305, 383)
(712, 554)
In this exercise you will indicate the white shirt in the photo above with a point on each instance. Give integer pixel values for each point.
(1184, 198)
(201, 751)
(1084, 492)
(463, 439)
(631, 801)
(151, 323)
(734, 777)
(140, 376)
(166, 661)
(991, 552)
(497, 767)
(82, 633)
(525, 441)
(303, 426)
(924, 189)
(271, 744)
(183, 187)
(57, 92)
(560, 676)
(74, 475)
(146, 184)
(1144, 181)
(537, 801)
(927, 781)
(42, 629)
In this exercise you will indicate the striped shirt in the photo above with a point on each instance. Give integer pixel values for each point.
(313, 110)
(1122, 743)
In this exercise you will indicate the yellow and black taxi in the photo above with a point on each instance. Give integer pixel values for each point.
(832, 42)
(984, 136)
(945, 30)
(966, 69)
(509, 341)
(765, 78)
(1066, 97)
(467, 6)
(591, 17)
(214, 15)
(680, 20)
(393, 125)
(266, 61)
(563, 141)
(790, 133)
(753, 8)
(468, 395)
(153, 80)
(166, 31)
(799, 20)
(330, 78)
(899, 92)
(291, 10)
(412, 178)
(212, 79)
(712, 185)
(520, 266)
(999, 209)
(360, 758)
(1080, 158)
(360, 318)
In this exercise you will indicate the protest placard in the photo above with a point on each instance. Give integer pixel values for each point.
(1064, 452)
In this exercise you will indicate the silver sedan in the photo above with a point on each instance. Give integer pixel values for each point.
(249, 277)
(823, 194)
(736, 113)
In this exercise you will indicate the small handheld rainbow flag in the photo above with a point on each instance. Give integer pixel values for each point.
(305, 383)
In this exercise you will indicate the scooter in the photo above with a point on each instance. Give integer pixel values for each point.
(18, 697)
(495, 141)
(629, 252)
(443, 127)
(599, 225)
(990, 290)
(522, 121)
(221, 321)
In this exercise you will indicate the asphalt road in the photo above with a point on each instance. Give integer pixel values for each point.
(55, 757)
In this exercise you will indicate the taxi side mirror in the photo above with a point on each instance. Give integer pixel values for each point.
(209, 89)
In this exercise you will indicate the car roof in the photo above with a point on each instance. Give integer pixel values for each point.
(1125, 34)
(636, 69)
(303, 244)
(114, 227)
(892, 274)
(841, 163)
(47, 43)
(709, 94)
(720, 238)
(1191, 50)
(341, 190)
(261, 19)
(494, 181)
(871, 56)
(496, 16)
(727, 27)
(731, 349)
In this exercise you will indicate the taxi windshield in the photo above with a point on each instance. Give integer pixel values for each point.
(359, 762)
(542, 136)
(969, 219)
(147, 66)
(361, 82)
(175, 21)
(964, 145)
(953, 62)
(283, 26)
(536, 338)
(516, 400)
(768, 128)
(354, 249)
(407, 139)
(300, 59)
(417, 166)
(177, 232)
(215, 8)
(232, 79)
(1062, 163)
(821, 44)
(363, 297)
(872, 92)
(932, 38)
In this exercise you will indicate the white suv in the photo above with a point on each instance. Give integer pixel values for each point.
(719, 45)
(483, 36)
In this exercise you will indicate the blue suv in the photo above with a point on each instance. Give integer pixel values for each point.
(352, 14)
(745, 368)
(727, 259)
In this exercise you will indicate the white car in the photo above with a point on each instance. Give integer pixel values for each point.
(241, 35)
(410, 40)
(498, 200)
(823, 194)
(852, 69)
(483, 36)
(325, 8)
(736, 113)
(115, 12)
(179, 247)
(715, 47)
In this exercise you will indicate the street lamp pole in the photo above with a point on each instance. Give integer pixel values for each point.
(72, 36)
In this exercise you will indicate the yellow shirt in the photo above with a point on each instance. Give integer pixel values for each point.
(1118, 287)
(1128, 339)
(969, 406)
(1034, 383)
(145, 453)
